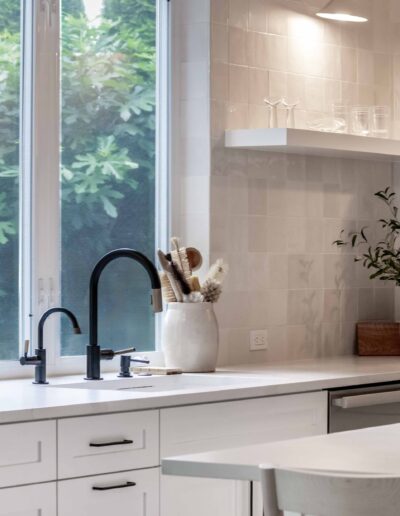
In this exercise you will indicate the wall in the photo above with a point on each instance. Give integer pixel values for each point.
(274, 216)
(190, 123)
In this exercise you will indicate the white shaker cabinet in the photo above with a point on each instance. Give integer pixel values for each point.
(27, 453)
(34, 500)
(108, 464)
(131, 493)
(216, 426)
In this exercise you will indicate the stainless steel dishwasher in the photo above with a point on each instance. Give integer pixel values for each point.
(362, 407)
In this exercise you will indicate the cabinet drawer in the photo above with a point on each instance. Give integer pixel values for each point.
(36, 500)
(103, 444)
(134, 492)
(27, 453)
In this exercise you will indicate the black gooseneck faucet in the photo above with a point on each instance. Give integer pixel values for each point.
(39, 359)
(94, 354)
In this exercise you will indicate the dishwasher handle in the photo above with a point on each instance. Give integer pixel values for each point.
(367, 400)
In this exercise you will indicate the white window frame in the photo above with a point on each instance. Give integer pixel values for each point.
(40, 218)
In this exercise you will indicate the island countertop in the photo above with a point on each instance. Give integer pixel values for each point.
(369, 451)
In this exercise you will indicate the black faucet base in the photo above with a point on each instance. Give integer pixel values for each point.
(40, 370)
(93, 357)
(40, 383)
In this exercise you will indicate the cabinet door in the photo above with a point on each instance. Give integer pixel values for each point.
(182, 496)
(35, 500)
(27, 453)
(225, 425)
(134, 493)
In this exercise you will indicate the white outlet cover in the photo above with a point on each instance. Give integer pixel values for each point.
(258, 340)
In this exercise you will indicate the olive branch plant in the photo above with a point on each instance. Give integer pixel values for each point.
(383, 258)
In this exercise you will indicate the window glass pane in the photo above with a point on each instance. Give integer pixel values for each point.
(9, 176)
(108, 165)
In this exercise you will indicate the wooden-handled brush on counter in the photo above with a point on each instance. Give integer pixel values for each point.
(177, 279)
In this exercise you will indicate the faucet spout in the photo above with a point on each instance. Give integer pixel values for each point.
(94, 354)
(75, 326)
(39, 359)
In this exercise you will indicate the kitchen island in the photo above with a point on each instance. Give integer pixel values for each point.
(368, 451)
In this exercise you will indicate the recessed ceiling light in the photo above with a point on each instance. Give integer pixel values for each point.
(344, 10)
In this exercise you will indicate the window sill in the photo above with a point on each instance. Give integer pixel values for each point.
(70, 366)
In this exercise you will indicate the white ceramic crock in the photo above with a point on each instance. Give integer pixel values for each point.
(190, 337)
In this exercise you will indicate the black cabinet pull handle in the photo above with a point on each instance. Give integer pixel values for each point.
(107, 488)
(112, 443)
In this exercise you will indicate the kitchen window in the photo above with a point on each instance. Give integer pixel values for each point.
(10, 177)
(88, 176)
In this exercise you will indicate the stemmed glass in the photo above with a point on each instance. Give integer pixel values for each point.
(290, 110)
(273, 105)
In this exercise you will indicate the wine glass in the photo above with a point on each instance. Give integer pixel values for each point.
(290, 112)
(273, 104)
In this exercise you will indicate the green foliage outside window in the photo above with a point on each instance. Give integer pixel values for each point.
(108, 128)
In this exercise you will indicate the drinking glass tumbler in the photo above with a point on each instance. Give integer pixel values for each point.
(360, 120)
(380, 120)
(340, 118)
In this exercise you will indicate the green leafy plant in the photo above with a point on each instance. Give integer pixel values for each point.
(382, 258)
(108, 135)
(106, 101)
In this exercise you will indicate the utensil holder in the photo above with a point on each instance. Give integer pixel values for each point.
(190, 337)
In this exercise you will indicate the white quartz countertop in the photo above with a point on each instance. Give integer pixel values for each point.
(20, 400)
(368, 451)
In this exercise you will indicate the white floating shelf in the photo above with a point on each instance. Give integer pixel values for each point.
(301, 141)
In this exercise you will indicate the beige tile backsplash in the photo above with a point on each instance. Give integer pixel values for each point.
(274, 216)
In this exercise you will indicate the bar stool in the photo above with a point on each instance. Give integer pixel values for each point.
(327, 493)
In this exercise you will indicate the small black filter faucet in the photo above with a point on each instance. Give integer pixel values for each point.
(94, 354)
(39, 359)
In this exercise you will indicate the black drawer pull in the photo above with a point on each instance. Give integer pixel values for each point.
(107, 488)
(113, 443)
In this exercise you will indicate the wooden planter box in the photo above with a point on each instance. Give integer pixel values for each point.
(378, 338)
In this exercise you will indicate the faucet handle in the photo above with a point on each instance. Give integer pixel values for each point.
(109, 354)
(140, 360)
(124, 351)
(26, 346)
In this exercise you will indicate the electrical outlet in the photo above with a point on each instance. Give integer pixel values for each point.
(258, 340)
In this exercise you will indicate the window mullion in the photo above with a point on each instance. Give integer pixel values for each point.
(46, 218)
(163, 194)
(25, 199)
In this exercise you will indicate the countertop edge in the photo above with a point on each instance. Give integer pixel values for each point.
(57, 406)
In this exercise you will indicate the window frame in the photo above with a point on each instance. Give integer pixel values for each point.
(40, 222)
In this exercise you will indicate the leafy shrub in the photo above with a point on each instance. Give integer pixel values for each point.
(108, 133)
